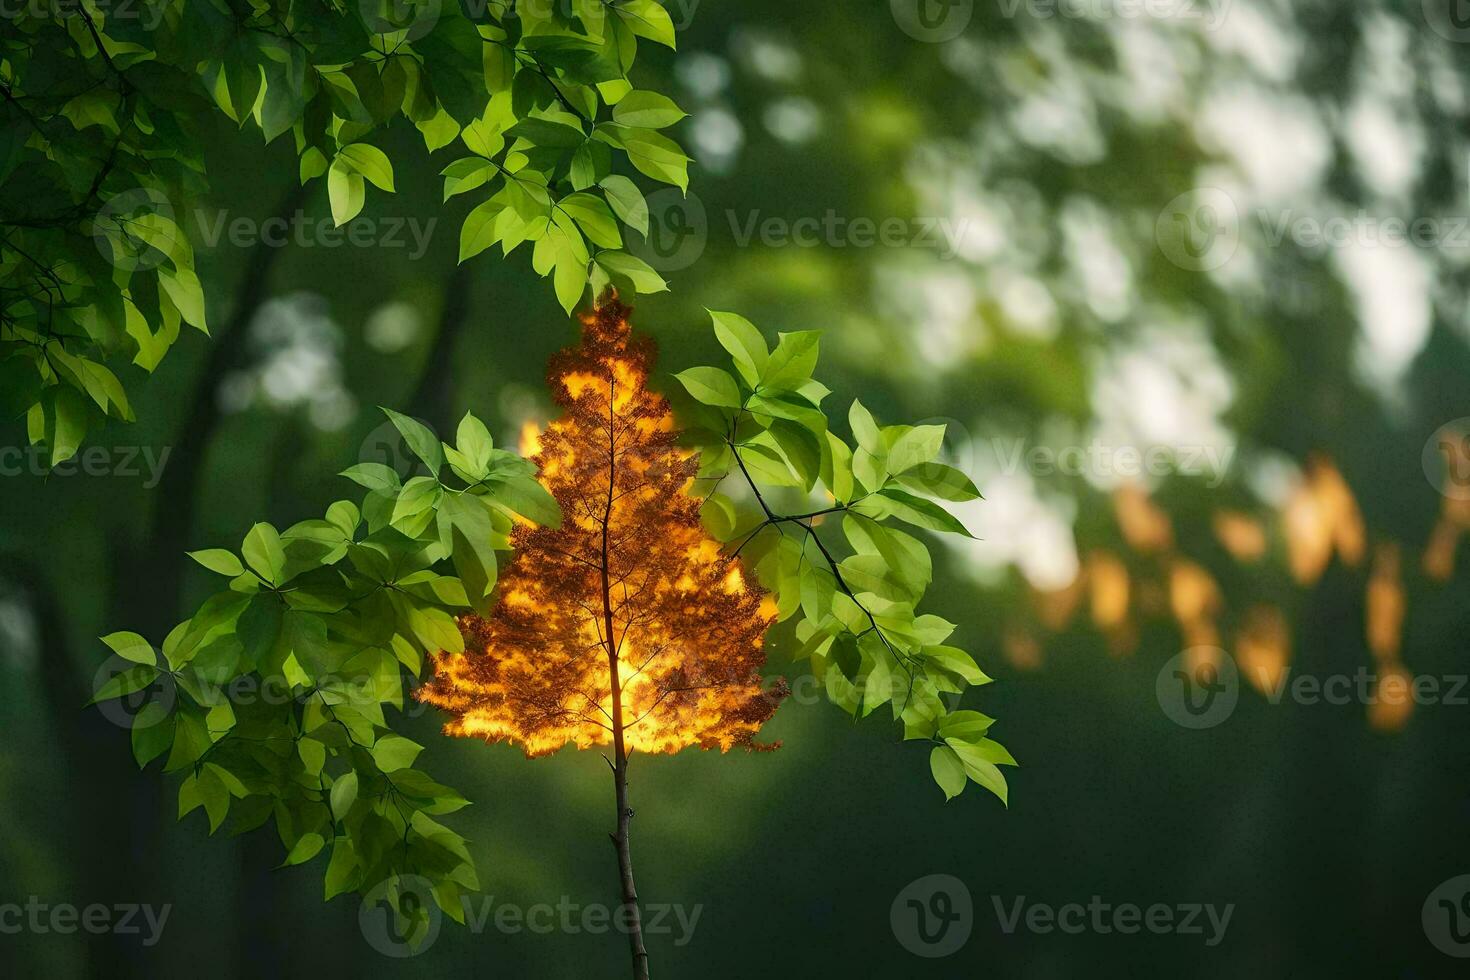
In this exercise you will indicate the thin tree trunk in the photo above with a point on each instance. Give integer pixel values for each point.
(632, 916)
(625, 860)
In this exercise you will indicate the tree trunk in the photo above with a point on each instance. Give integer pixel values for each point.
(632, 915)
(632, 918)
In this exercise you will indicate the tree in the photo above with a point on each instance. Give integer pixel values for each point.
(270, 699)
(625, 626)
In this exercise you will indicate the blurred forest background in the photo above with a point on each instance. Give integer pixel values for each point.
(1109, 183)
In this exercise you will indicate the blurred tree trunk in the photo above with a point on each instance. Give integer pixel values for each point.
(149, 575)
(433, 396)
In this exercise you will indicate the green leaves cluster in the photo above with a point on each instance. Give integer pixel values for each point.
(100, 148)
(270, 700)
(854, 596)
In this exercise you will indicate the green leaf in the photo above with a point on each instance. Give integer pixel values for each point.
(69, 425)
(594, 217)
(545, 132)
(474, 442)
(465, 175)
(656, 156)
(920, 444)
(956, 661)
(744, 342)
(394, 752)
(345, 193)
(627, 202)
(219, 561)
(129, 681)
(306, 848)
(373, 476)
(131, 646)
(864, 428)
(913, 510)
(371, 162)
(481, 228)
(966, 726)
(948, 771)
(186, 292)
(981, 769)
(647, 18)
(264, 554)
(718, 514)
(637, 272)
(344, 794)
(421, 440)
(940, 480)
(647, 110)
(711, 386)
(526, 496)
(792, 362)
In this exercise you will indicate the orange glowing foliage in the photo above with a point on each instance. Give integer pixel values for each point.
(630, 578)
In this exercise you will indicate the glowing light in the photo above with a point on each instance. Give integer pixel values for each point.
(629, 578)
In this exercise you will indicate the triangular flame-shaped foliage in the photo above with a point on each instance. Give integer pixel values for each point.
(629, 578)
